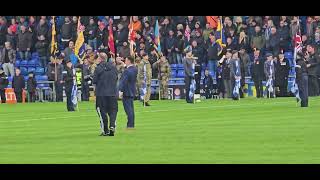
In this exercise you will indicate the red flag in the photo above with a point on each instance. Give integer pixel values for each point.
(131, 37)
(187, 32)
(111, 39)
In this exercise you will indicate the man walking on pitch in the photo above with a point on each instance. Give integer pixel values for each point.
(105, 79)
(127, 89)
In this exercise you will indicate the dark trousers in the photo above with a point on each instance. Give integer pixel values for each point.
(129, 109)
(59, 91)
(313, 86)
(32, 96)
(208, 93)
(283, 87)
(303, 90)
(3, 96)
(259, 87)
(70, 105)
(18, 96)
(85, 91)
(107, 105)
(187, 81)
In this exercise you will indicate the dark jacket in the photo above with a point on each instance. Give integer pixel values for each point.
(102, 36)
(128, 81)
(3, 32)
(198, 52)
(282, 71)
(302, 70)
(42, 30)
(207, 82)
(24, 40)
(18, 83)
(51, 72)
(105, 78)
(258, 69)
(11, 55)
(284, 36)
(180, 45)
(42, 48)
(31, 84)
(122, 36)
(314, 62)
(68, 79)
(66, 31)
(93, 28)
(3, 81)
(213, 50)
(225, 69)
(12, 38)
(274, 43)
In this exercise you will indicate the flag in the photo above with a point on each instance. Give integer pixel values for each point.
(213, 21)
(54, 45)
(110, 38)
(80, 47)
(237, 86)
(297, 48)
(74, 91)
(157, 37)
(269, 83)
(220, 37)
(143, 89)
(131, 38)
(187, 32)
(193, 82)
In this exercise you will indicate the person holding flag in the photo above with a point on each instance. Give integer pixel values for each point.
(70, 86)
(270, 75)
(235, 75)
(145, 76)
(300, 86)
(189, 70)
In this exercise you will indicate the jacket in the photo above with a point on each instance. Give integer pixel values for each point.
(18, 83)
(31, 84)
(24, 40)
(105, 78)
(42, 48)
(11, 55)
(128, 81)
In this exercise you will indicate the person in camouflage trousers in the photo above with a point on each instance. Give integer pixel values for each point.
(145, 69)
(164, 69)
(139, 65)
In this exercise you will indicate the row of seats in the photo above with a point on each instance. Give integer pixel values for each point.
(37, 71)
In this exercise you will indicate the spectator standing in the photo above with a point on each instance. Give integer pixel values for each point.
(24, 42)
(8, 59)
(42, 49)
(31, 87)
(18, 84)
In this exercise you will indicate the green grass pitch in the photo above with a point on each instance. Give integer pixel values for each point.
(212, 131)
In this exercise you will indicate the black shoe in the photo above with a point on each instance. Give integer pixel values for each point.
(147, 104)
(104, 134)
(111, 133)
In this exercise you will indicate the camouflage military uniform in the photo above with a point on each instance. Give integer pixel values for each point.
(164, 75)
(139, 66)
(148, 77)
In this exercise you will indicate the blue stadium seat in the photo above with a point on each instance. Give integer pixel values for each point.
(173, 66)
(39, 71)
(10, 78)
(31, 69)
(18, 56)
(180, 74)
(42, 78)
(26, 78)
(24, 71)
(179, 82)
(34, 55)
(180, 66)
(288, 55)
(32, 63)
(23, 63)
(18, 63)
(173, 74)
(171, 82)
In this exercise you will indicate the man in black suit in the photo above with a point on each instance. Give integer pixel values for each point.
(105, 79)
(127, 89)
(18, 84)
(68, 79)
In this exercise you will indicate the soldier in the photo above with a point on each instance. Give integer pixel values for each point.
(282, 72)
(145, 78)
(165, 71)
(120, 66)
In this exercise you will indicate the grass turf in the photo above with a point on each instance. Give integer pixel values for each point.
(213, 131)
